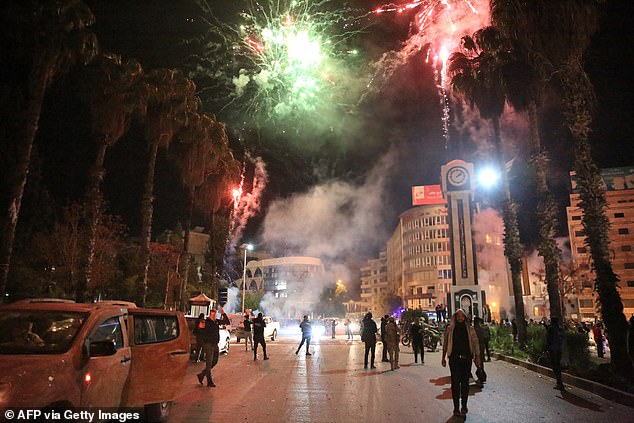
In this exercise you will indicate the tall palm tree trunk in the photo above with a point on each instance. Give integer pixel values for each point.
(185, 254)
(93, 203)
(147, 212)
(512, 246)
(546, 215)
(39, 78)
(578, 93)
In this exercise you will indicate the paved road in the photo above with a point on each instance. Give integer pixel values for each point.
(332, 386)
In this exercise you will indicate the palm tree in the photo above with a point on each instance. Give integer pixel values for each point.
(47, 38)
(524, 83)
(555, 35)
(193, 154)
(475, 74)
(170, 97)
(115, 91)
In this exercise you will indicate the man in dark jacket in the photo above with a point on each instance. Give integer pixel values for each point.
(384, 320)
(200, 326)
(554, 346)
(258, 336)
(209, 335)
(248, 336)
(307, 332)
(416, 335)
(368, 336)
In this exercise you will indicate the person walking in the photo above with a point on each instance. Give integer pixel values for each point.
(461, 346)
(368, 336)
(514, 330)
(248, 335)
(384, 320)
(258, 336)
(348, 325)
(198, 329)
(554, 346)
(209, 336)
(307, 332)
(597, 332)
(484, 335)
(393, 338)
(416, 335)
(333, 325)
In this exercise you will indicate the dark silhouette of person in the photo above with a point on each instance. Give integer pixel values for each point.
(210, 336)
(368, 336)
(258, 336)
(554, 346)
(307, 332)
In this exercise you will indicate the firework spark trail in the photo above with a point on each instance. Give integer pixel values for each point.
(286, 58)
(248, 205)
(438, 26)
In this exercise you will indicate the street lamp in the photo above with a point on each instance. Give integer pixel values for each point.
(245, 247)
(488, 177)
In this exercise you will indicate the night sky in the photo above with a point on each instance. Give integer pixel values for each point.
(405, 114)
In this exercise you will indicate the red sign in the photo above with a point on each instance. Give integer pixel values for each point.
(427, 194)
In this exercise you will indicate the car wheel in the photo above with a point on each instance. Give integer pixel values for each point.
(274, 336)
(157, 413)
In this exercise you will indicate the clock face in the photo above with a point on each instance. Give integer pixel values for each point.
(457, 176)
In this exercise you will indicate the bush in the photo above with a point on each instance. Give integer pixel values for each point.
(577, 347)
(502, 342)
(535, 342)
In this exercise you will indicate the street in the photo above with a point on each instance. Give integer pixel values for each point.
(332, 386)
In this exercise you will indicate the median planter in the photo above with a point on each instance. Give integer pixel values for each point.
(596, 388)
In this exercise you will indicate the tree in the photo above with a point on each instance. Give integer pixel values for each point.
(193, 154)
(170, 97)
(45, 38)
(524, 83)
(115, 92)
(555, 34)
(476, 75)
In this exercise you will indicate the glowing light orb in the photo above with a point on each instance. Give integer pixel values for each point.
(488, 177)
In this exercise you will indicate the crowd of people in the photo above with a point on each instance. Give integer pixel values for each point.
(465, 342)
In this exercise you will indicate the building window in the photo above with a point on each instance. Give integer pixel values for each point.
(581, 250)
(630, 284)
(624, 231)
(576, 217)
(580, 233)
(619, 214)
(626, 248)
(585, 303)
(629, 265)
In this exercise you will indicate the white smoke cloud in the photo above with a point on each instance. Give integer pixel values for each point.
(339, 222)
(334, 220)
(233, 302)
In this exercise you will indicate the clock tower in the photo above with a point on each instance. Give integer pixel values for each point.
(458, 188)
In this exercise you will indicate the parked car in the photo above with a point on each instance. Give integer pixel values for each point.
(223, 342)
(270, 331)
(60, 354)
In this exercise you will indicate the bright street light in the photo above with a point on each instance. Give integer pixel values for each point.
(488, 177)
(245, 247)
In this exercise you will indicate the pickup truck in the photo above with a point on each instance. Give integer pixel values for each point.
(65, 355)
(270, 331)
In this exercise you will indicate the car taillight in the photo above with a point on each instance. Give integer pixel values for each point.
(87, 378)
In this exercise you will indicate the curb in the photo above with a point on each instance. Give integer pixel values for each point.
(607, 392)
